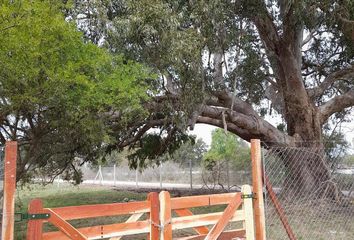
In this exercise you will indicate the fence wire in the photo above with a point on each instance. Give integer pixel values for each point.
(315, 187)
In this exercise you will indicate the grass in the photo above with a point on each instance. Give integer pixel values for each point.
(68, 195)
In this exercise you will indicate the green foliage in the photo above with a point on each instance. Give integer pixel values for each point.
(55, 89)
(227, 147)
(190, 151)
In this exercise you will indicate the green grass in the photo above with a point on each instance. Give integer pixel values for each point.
(68, 195)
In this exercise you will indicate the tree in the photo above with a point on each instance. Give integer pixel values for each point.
(221, 61)
(190, 151)
(57, 92)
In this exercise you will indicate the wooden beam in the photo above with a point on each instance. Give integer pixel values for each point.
(226, 235)
(225, 218)
(35, 227)
(165, 216)
(101, 210)
(248, 213)
(202, 200)
(64, 226)
(153, 199)
(8, 216)
(133, 218)
(185, 213)
(257, 183)
(104, 231)
(202, 220)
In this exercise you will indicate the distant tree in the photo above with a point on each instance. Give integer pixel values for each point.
(190, 151)
(57, 93)
(228, 147)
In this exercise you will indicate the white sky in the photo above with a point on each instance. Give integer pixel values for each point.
(203, 131)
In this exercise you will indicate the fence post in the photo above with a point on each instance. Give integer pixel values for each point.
(35, 227)
(136, 177)
(153, 199)
(248, 212)
(191, 173)
(160, 173)
(257, 182)
(165, 216)
(114, 175)
(8, 216)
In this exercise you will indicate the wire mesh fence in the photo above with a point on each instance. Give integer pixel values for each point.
(315, 187)
(222, 175)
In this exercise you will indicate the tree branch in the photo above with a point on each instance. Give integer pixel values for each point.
(337, 104)
(318, 91)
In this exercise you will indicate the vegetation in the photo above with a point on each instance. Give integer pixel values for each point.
(229, 63)
(57, 91)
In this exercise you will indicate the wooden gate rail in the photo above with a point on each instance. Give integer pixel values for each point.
(59, 217)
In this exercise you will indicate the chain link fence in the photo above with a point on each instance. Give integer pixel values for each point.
(222, 175)
(315, 187)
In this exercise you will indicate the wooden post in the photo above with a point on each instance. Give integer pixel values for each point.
(248, 213)
(35, 227)
(153, 199)
(257, 182)
(8, 217)
(165, 216)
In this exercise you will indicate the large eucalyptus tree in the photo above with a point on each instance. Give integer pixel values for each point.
(221, 62)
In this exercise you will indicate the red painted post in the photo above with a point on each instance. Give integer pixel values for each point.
(8, 217)
(153, 199)
(35, 227)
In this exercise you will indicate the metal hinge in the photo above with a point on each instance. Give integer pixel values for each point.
(252, 195)
(33, 216)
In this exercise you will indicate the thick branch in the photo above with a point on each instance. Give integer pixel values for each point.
(245, 126)
(337, 104)
(318, 91)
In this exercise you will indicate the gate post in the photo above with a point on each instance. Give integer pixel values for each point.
(165, 216)
(35, 227)
(153, 199)
(257, 183)
(8, 217)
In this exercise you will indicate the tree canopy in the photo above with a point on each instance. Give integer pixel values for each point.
(57, 91)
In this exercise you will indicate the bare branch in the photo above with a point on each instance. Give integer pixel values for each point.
(337, 104)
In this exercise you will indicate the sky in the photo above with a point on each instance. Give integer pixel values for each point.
(203, 131)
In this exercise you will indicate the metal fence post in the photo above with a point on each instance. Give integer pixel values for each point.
(160, 173)
(136, 177)
(191, 173)
(114, 175)
(8, 216)
(257, 183)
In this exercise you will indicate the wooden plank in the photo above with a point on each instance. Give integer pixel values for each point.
(248, 213)
(227, 235)
(101, 210)
(8, 216)
(185, 213)
(257, 183)
(153, 199)
(225, 218)
(133, 218)
(35, 227)
(165, 216)
(202, 220)
(279, 209)
(201, 201)
(105, 231)
(64, 226)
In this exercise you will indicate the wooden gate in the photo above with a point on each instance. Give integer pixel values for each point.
(159, 223)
